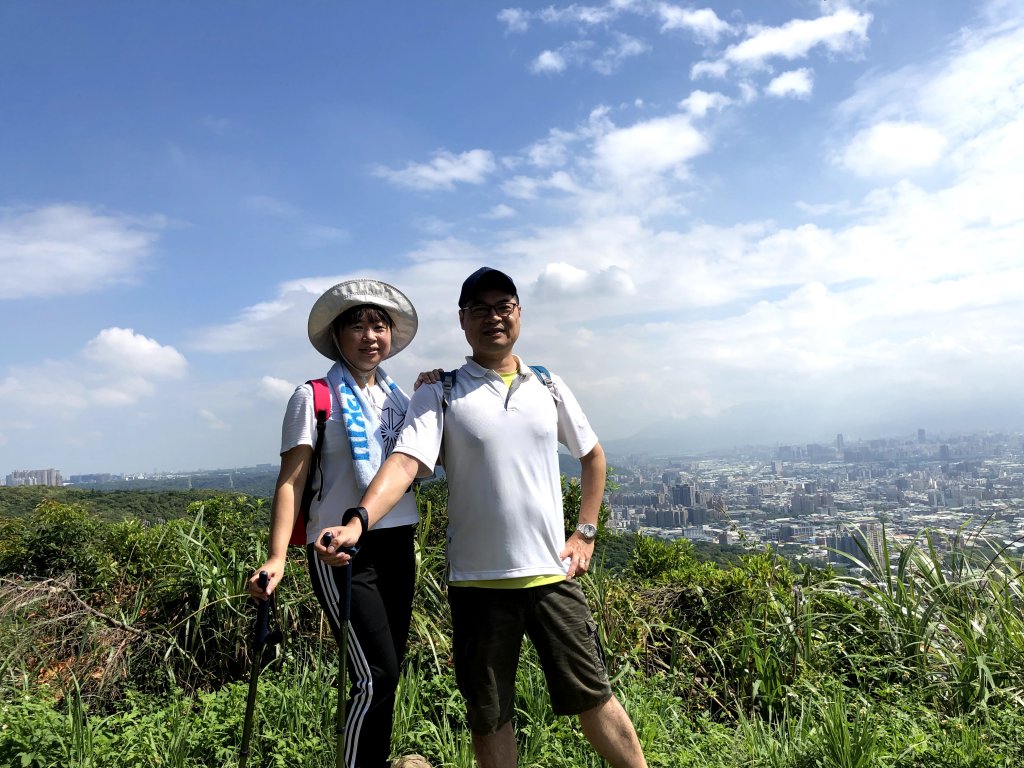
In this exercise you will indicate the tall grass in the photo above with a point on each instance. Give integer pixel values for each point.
(917, 661)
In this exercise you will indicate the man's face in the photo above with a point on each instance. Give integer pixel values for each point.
(486, 330)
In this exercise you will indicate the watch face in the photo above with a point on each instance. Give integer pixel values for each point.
(587, 530)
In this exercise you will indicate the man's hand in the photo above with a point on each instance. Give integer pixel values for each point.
(579, 552)
(428, 377)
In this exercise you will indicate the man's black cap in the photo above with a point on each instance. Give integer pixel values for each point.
(485, 279)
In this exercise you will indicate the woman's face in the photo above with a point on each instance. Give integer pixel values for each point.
(365, 343)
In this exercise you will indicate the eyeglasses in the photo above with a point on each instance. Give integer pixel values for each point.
(481, 311)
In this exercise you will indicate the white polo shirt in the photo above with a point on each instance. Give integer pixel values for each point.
(340, 488)
(501, 460)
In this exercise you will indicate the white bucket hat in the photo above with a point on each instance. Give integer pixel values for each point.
(354, 293)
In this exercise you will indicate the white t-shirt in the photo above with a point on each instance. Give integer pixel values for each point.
(501, 460)
(340, 489)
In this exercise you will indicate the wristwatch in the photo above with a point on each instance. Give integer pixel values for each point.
(588, 531)
(359, 512)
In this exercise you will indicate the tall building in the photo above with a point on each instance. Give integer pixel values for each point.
(840, 444)
(35, 477)
(684, 494)
(920, 435)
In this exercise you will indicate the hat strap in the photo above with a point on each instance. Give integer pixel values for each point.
(356, 373)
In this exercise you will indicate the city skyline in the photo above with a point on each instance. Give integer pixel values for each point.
(852, 450)
(731, 222)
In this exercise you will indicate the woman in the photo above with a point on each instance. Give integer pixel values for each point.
(357, 324)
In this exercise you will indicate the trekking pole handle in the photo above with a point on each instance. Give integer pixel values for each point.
(327, 538)
(345, 602)
(262, 628)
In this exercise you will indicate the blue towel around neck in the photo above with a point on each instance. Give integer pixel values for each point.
(365, 439)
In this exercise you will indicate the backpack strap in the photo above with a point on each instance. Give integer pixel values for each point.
(447, 382)
(545, 375)
(322, 409)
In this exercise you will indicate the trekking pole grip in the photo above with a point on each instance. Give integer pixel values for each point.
(262, 614)
(345, 606)
(327, 538)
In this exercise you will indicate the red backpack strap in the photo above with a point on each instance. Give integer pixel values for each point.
(322, 409)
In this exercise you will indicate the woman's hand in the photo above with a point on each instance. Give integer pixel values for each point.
(274, 568)
(342, 536)
(428, 377)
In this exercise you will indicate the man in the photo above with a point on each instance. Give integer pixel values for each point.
(510, 570)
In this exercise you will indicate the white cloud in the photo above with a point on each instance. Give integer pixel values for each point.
(703, 22)
(548, 62)
(649, 147)
(501, 211)
(122, 392)
(124, 350)
(582, 15)
(116, 370)
(560, 280)
(893, 149)
(625, 47)
(514, 19)
(444, 171)
(719, 68)
(275, 389)
(529, 188)
(699, 103)
(61, 250)
(266, 324)
(844, 31)
(841, 32)
(796, 82)
(212, 421)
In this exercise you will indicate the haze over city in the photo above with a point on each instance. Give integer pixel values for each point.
(729, 223)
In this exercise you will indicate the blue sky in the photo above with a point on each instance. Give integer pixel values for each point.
(729, 222)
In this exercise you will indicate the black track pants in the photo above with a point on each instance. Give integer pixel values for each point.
(383, 575)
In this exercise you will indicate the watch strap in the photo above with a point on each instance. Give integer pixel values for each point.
(361, 513)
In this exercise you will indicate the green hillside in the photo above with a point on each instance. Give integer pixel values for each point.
(126, 644)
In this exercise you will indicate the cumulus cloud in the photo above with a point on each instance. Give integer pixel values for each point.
(514, 19)
(797, 83)
(649, 147)
(844, 31)
(275, 389)
(841, 32)
(551, 151)
(117, 368)
(444, 171)
(123, 349)
(699, 103)
(59, 250)
(624, 47)
(703, 22)
(893, 149)
(585, 53)
(561, 280)
(549, 62)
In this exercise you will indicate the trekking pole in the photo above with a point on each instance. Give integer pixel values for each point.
(344, 613)
(260, 633)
